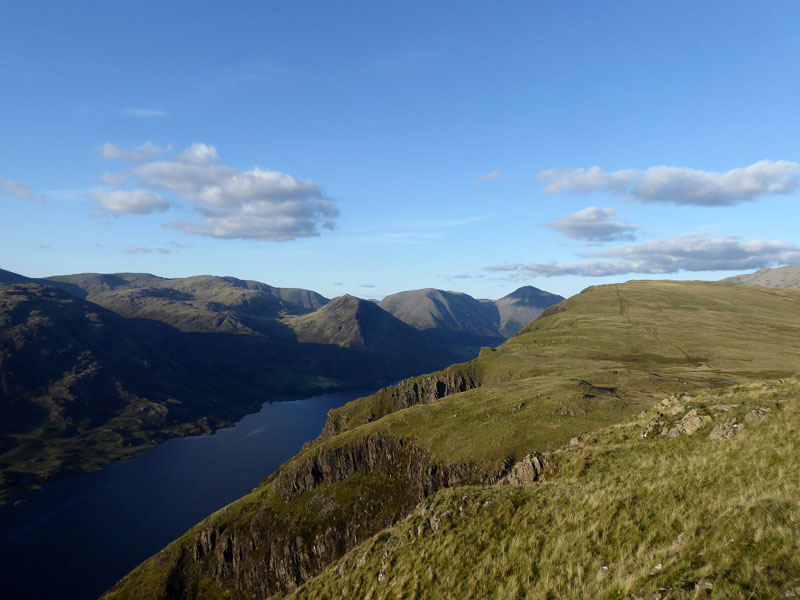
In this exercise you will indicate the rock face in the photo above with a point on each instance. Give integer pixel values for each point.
(409, 392)
(529, 470)
(687, 425)
(308, 514)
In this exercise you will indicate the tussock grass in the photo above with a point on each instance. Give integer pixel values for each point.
(621, 516)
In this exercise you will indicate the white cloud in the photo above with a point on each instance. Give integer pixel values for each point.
(137, 154)
(594, 224)
(19, 190)
(493, 176)
(255, 204)
(130, 202)
(680, 185)
(199, 154)
(691, 252)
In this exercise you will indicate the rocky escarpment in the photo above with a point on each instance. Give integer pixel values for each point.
(305, 516)
(409, 392)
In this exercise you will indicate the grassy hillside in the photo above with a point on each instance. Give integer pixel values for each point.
(591, 363)
(618, 516)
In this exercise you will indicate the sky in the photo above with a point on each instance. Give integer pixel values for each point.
(370, 147)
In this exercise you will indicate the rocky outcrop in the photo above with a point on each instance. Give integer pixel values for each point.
(687, 425)
(529, 470)
(309, 513)
(409, 392)
(374, 454)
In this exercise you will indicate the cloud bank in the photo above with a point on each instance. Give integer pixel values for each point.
(691, 252)
(256, 204)
(679, 185)
(594, 224)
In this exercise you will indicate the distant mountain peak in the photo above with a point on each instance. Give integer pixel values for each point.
(784, 277)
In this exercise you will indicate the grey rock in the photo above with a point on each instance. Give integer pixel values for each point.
(529, 470)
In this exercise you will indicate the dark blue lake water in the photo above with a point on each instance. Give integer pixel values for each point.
(75, 538)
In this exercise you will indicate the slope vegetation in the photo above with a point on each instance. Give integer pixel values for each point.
(706, 513)
(588, 364)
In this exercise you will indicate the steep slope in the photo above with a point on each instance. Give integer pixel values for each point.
(522, 306)
(782, 277)
(590, 362)
(362, 325)
(80, 385)
(436, 309)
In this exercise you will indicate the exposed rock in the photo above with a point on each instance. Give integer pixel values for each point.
(277, 548)
(724, 407)
(704, 585)
(688, 425)
(409, 392)
(726, 430)
(756, 415)
(529, 470)
(793, 592)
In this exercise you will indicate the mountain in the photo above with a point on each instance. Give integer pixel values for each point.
(94, 367)
(522, 306)
(782, 277)
(436, 309)
(662, 415)
(459, 314)
(80, 385)
(361, 325)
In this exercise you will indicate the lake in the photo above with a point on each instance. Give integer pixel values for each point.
(76, 537)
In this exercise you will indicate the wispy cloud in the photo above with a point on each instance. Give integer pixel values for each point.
(493, 176)
(594, 224)
(505, 267)
(146, 113)
(679, 185)
(20, 190)
(257, 204)
(137, 154)
(690, 252)
(146, 250)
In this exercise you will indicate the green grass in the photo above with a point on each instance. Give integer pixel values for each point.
(723, 511)
(645, 339)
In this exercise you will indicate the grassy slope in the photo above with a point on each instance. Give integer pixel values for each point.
(621, 516)
(597, 359)
(639, 338)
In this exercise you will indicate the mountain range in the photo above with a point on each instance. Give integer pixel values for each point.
(94, 367)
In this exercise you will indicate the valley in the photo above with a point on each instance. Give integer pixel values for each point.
(96, 367)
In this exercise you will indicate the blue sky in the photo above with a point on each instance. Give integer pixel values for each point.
(369, 149)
